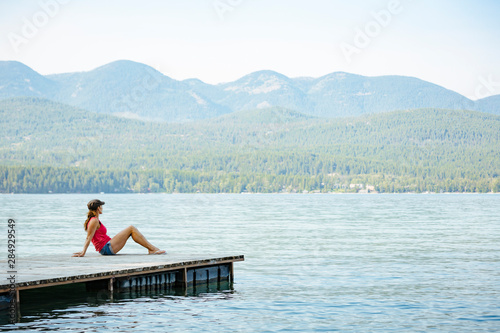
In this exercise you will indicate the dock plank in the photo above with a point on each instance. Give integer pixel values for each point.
(35, 272)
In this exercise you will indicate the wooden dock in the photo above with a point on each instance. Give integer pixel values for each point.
(116, 272)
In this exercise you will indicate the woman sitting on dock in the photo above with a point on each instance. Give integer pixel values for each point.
(105, 245)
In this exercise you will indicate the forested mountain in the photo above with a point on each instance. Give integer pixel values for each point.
(17, 79)
(47, 146)
(134, 90)
(265, 89)
(489, 104)
(341, 94)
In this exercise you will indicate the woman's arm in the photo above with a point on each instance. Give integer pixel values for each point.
(91, 228)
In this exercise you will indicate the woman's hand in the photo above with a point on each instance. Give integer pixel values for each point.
(79, 254)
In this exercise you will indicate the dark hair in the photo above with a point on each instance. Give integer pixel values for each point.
(90, 215)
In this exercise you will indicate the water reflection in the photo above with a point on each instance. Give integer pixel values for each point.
(60, 301)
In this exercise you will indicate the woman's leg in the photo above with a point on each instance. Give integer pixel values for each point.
(118, 242)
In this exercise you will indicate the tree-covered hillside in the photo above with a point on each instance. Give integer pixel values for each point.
(46, 146)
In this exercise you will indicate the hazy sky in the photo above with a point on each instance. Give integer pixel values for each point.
(453, 43)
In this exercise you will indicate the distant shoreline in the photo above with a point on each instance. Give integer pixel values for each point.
(258, 193)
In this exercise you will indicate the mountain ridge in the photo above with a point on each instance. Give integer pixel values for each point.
(135, 90)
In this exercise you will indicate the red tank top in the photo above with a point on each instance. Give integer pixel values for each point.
(100, 237)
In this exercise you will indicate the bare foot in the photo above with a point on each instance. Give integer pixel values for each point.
(157, 251)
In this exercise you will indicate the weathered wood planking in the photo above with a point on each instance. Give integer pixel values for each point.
(38, 272)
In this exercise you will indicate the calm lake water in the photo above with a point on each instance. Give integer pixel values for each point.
(372, 263)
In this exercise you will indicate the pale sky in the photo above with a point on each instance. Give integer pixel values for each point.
(452, 43)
